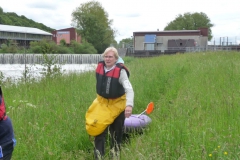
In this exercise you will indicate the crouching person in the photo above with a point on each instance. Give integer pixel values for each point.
(7, 141)
(113, 104)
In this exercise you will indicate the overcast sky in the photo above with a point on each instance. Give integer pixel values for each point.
(134, 15)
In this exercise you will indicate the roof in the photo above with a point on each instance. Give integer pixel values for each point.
(19, 29)
(170, 31)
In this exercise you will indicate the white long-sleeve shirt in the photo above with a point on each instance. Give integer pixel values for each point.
(124, 81)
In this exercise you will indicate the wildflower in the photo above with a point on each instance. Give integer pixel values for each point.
(210, 155)
(225, 153)
(218, 146)
(30, 105)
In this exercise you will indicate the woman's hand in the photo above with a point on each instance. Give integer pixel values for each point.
(128, 111)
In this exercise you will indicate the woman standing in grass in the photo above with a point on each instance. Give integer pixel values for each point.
(7, 140)
(114, 102)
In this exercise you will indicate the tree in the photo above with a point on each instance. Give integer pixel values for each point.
(1, 10)
(191, 21)
(92, 23)
(128, 42)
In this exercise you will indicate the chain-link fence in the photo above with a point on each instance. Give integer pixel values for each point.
(225, 41)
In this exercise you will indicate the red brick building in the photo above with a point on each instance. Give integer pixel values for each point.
(68, 34)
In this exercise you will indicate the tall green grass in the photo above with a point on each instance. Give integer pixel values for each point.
(196, 96)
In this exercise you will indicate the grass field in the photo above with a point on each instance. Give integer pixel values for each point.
(196, 116)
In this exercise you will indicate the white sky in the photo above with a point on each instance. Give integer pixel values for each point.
(134, 15)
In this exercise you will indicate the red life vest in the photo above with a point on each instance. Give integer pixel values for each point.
(108, 85)
(2, 107)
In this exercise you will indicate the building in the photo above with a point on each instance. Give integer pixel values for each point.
(68, 34)
(22, 36)
(171, 41)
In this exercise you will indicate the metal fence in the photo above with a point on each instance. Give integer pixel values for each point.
(213, 48)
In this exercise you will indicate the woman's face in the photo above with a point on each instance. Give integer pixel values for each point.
(110, 59)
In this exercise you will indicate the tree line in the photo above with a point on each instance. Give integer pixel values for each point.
(11, 18)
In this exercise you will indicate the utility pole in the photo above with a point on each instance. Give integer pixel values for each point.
(25, 67)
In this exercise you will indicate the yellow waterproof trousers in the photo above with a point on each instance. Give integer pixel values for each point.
(102, 113)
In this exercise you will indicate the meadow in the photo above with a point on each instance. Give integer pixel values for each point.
(196, 116)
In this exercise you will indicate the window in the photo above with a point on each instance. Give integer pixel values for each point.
(149, 42)
(149, 46)
(150, 38)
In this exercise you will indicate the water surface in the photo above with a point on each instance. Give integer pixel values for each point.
(15, 71)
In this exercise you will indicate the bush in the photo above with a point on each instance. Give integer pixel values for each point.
(10, 48)
(4, 48)
(43, 46)
(83, 48)
(35, 49)
(64, 50)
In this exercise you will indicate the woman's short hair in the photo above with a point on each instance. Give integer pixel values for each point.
(111, 49)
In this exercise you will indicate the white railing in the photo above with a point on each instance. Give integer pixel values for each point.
(60, 58)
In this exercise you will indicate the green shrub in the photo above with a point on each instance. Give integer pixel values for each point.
(43, 46)
(83, 48)
(9, 48)
(63, 50)
(35, 49)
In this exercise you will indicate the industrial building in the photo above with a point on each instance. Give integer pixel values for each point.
(171, 41)
(67, 34)
(22, 36)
